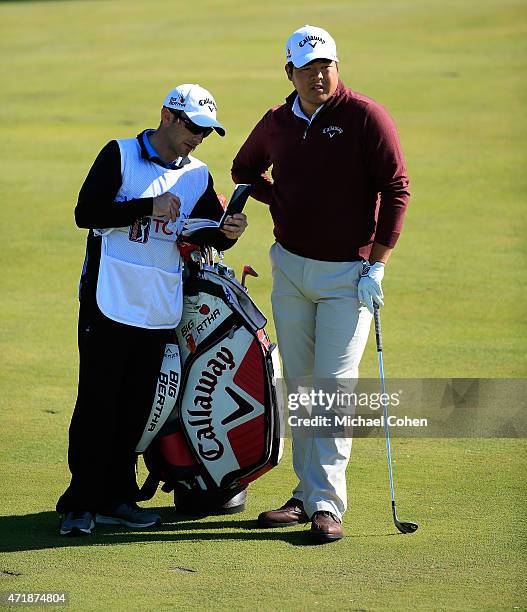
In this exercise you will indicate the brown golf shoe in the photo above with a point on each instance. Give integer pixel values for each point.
(291, 513)
(326, 527)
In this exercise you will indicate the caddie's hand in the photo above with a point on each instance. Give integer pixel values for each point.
(370, 289)
(234, 225)
(166, 205)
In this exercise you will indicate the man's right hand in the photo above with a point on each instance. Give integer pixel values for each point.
(370, 290)
(166, 205)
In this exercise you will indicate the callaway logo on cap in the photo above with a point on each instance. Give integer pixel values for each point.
(310, 43)
(197, 103)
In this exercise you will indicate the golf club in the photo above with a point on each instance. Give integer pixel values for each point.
(402, 526)
(247, 270)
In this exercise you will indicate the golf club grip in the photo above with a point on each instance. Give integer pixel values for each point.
(378, 334)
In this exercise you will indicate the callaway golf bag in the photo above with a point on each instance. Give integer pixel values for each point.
(217, 418)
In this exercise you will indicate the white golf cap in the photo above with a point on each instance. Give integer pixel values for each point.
(310, 43)
(197, 103)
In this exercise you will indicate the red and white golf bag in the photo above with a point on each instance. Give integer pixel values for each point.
(217, 420)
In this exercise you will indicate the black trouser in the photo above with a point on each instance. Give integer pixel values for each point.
(119, 366)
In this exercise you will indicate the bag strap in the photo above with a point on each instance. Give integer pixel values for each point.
(149, 488)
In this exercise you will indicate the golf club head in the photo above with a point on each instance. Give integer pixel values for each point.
(403, 526)
(406, 527)
(247, 270)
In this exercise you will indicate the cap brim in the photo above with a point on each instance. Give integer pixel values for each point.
(313, 56)
(206, 121)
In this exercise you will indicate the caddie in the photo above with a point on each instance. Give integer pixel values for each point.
(337, 195)
(134, 202)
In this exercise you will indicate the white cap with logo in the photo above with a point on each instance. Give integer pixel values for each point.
(309, 43)
(197, 103)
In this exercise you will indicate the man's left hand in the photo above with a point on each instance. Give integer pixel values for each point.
(234, 226)
(370, 289)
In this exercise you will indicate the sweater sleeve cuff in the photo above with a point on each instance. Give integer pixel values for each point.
(144, 207)
(387, 240)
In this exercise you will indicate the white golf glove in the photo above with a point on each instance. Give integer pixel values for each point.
(370, 289)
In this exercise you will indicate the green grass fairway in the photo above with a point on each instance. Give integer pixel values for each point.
(77, 74)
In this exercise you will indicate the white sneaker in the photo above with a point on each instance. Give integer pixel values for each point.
(129, 514)
(77, 524)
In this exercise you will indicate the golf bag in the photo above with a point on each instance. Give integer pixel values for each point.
(217, 419)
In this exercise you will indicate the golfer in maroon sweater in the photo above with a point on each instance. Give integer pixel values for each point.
(337, 195)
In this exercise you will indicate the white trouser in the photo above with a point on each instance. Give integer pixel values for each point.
(322, 331)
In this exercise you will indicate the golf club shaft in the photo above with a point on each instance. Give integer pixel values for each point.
(378, 339)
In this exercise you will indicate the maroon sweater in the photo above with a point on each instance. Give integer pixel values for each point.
(338, 185)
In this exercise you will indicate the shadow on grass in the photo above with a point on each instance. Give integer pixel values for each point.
(41, 530)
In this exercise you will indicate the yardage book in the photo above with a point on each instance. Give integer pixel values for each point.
(236, 203)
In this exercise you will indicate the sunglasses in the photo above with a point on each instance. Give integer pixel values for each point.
(192, 127)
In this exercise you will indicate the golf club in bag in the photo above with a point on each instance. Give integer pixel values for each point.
(217, 418)
(402, 526)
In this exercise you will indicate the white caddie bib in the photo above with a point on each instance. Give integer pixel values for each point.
(140, 269)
